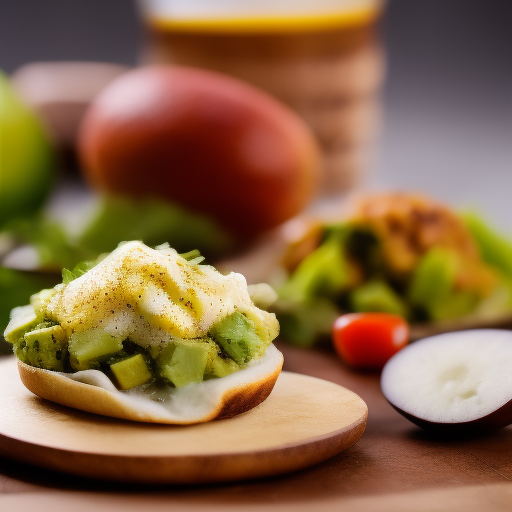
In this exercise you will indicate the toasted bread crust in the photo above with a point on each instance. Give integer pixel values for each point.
(245, 399)
(58, 388)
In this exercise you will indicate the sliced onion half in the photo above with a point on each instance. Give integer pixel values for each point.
(454, 381)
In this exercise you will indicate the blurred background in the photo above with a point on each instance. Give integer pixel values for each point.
(448, 101)
(413, 96)
(336, 97)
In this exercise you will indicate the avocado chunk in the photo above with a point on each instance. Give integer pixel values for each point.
(325, 272)
(162, 354)
(187, 363)
(220, 367)
(433, 278)
(377, 296)
(44, 348)
(40, 301)
(236, 334)
(23, 319)
(131, 372)
(495, 249)
(456, 305)
(302, 323)
(88, 348)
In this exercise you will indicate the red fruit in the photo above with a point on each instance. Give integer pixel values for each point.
(206, 141)
(368, 340)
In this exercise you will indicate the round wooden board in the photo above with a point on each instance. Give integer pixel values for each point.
(304, 421)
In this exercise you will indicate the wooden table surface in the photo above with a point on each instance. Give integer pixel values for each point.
(394, 467)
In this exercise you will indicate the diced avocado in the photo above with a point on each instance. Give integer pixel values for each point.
(220, 367)
(236, 334)
(131, 372)
(40, 302)
(16, 287)
(88, 348)
(23, 319)
(378, 296)
(162, 353)
(266, 331)
(188, 362)
(325, 272)
(364, 247)
(44, 348)
(433, 278)
(495, 249)
(455, 305)
(303, 323)
(162, 356)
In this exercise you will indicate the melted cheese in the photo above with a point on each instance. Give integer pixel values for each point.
(154, 296)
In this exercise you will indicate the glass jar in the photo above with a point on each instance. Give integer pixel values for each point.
(323, 58)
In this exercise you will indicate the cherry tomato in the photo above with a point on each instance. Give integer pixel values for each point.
(368, 340)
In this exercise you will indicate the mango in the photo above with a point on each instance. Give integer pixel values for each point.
(208, 142)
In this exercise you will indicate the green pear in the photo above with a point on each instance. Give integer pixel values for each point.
(26, 157)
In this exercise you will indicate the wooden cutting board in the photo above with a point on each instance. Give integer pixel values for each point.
(304, 421)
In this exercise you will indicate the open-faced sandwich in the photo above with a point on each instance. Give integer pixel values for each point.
(149, 335)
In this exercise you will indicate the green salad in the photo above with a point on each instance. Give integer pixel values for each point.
(394, 253)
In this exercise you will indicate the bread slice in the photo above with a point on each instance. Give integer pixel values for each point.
(93, 391)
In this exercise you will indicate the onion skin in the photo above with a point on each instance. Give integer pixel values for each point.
(499, 418)
(206, 141)
(460, 380)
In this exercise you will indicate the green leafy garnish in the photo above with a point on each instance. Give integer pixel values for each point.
(152, 221)
(193, 256)
(117, 219)
(79, 270)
